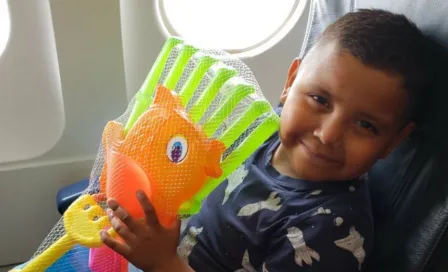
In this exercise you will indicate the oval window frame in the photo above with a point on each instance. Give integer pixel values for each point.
(256, 49)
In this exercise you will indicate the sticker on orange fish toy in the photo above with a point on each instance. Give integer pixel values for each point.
(165, 154)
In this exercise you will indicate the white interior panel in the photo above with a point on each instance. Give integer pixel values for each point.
(31, 106)
(90, 60)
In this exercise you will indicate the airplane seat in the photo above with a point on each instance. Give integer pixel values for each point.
(409, 189)
(70, 193)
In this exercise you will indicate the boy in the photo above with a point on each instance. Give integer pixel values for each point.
(300, 203)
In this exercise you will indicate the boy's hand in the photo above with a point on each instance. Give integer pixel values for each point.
(147, 245)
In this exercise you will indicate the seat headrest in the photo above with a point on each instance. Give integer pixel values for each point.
(429, 16)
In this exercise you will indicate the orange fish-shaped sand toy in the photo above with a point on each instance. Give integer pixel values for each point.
(164, 154)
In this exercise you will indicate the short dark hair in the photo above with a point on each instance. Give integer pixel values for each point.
(385, 41)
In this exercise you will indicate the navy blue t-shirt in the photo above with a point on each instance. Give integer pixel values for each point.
(260, 220)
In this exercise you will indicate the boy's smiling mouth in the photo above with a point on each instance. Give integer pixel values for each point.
(318, 158)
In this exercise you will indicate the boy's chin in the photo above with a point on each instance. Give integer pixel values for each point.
(317, 175)
(297, 162)
(307, 169)
(314, 173)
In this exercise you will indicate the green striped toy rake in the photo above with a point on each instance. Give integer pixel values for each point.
(221, 94)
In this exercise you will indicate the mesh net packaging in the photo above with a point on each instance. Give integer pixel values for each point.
(199, 115)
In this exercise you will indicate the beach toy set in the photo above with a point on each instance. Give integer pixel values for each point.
(198, 116)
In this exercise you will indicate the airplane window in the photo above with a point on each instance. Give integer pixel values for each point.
(4, 25)
(244, 27)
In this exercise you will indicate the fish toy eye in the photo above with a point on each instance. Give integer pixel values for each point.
(177, 149)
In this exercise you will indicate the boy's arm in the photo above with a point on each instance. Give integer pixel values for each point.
(320, 243)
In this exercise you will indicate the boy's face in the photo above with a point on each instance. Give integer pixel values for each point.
(339, 116)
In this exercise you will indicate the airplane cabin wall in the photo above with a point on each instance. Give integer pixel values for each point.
(90, 60)
(102, 62)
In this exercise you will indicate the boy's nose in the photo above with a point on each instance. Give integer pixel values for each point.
(330, 132)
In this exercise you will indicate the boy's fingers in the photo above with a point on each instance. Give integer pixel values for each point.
(113, 244)
(122, 214)
(121, 228)
(148, 208)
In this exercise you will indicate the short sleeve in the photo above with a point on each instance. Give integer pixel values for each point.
(323, 242)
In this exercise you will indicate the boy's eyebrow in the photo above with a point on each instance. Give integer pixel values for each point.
(324, 91)
(369, 116)
(319, 88)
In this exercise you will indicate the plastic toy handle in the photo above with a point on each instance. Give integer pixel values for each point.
(83, 221)
(50, 255)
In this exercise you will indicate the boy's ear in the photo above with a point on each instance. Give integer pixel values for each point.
(292, 74)
(405, 132)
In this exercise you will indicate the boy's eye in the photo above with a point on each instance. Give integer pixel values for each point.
(367, 125)
(321, 100)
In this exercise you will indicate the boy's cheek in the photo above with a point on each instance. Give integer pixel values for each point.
(297, 119)
(362, 156)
